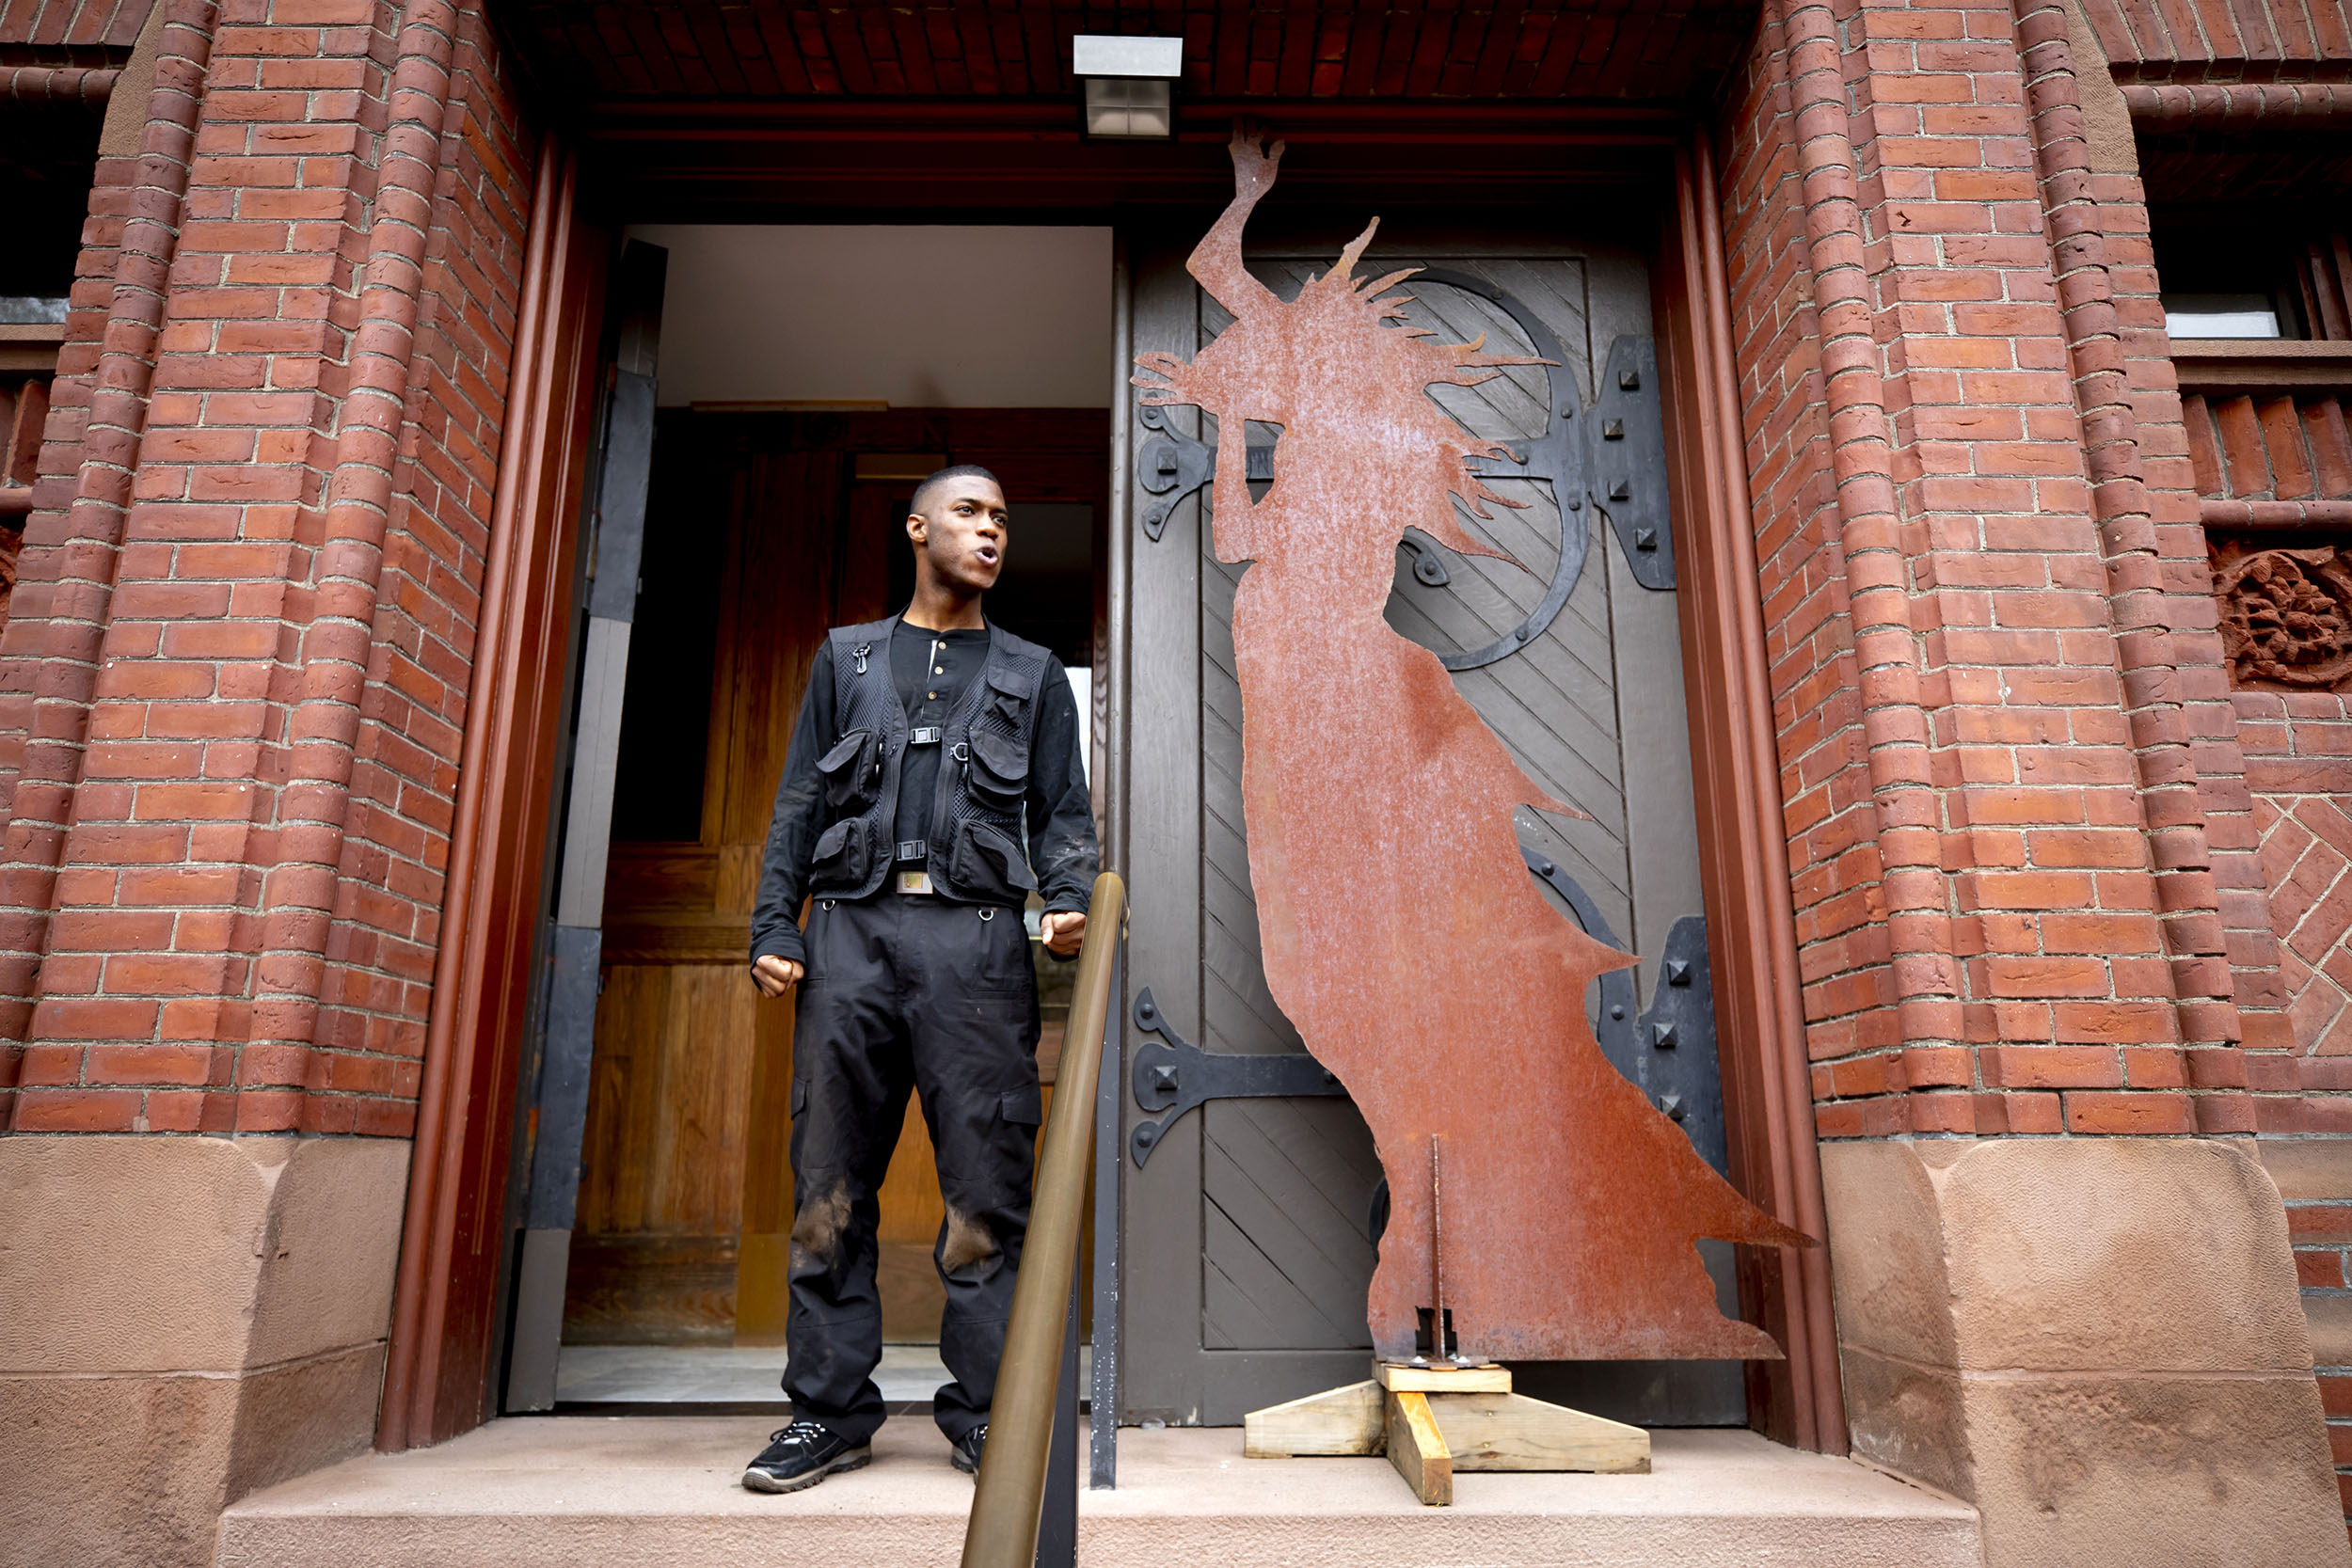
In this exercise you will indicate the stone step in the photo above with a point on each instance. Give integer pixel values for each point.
(661, 1492)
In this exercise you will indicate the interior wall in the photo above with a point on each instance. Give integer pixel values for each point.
(917, 317)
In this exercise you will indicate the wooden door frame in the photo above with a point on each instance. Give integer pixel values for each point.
(443, 1343)
(446, 1334)
(1743, 846)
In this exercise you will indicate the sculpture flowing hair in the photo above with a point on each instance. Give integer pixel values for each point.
(1362, 313)
(1328, 365)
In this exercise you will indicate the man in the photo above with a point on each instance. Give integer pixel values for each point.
(935, 780)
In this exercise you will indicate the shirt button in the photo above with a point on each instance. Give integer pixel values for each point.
(933, 696)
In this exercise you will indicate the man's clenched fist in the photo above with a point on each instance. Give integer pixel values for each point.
(1063, 932)
(774, 977)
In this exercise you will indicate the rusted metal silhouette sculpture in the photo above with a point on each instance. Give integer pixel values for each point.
(1402, 933)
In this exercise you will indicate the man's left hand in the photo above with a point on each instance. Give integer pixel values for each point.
(1063, 932)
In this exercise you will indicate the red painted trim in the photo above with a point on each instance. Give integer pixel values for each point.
(1743, 852)
(443, 1331)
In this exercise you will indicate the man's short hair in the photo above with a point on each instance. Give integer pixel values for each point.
(928, 491)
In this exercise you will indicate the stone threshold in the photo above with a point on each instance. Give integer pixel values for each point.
(661, 1492)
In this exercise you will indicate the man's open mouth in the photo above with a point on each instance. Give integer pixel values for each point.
(987, 554)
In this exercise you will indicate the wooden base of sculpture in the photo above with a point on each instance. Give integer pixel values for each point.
(1432, 1422)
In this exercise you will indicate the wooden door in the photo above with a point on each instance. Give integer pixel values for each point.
(685, 1195)
(1250, 1235)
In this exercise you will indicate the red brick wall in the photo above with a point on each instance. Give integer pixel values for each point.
(1984, 945)
(2189, 40)
(2298, 759)
(2297, 746)
(86, 32)
(1825, 787)
(371, 1035)
(141, 984)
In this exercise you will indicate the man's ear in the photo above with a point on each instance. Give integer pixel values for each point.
(918, 527)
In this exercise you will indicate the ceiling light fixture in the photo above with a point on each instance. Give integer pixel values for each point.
(1128, 86)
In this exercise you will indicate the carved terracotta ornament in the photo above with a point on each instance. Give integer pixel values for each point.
(2286, 616)
(1534, 1192)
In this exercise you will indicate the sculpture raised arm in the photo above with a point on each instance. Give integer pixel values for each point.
(1215, 262)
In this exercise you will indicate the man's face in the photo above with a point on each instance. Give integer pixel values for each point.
(962, 534)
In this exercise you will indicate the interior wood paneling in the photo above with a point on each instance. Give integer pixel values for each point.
(688, 1055)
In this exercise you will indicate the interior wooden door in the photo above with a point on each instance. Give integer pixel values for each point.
(1250, 1236)
(685, 1196)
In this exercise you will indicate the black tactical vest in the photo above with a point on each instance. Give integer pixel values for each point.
(976, 853)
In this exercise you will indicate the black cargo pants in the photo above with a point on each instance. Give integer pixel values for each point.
(908, 991)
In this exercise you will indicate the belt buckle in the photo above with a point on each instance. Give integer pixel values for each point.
(914, 881)
(927, 734)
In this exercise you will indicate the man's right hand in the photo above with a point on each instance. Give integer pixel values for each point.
(774, 977)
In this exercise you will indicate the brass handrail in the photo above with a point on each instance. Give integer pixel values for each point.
(1012, 1491)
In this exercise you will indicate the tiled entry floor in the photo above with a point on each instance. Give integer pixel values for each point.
(732, 1375)
(719, 1374)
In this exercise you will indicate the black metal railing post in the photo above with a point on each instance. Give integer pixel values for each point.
(1057, 1520)
(1102, 1374)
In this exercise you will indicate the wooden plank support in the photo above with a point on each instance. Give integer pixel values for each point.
(1487, 1378)
(1337, 1422)
(1417, 1447)
(1511, 1432)
(1429, 1435)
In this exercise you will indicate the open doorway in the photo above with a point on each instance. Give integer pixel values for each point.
(808, 377)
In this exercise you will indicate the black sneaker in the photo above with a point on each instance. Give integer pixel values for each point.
(964, 1453)
(801, 1455)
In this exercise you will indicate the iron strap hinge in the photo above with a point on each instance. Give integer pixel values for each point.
(1667, 1052)
(1172, 1075)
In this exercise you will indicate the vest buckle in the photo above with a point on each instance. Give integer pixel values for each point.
(925, 734)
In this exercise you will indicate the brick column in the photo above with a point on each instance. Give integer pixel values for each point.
(2008, 913)
(230, 708)
(98, 411)
(268, 728)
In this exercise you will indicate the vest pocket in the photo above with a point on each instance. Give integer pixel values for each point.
(989, 864)
(1009, 693)
(851, 770)
(997, 775)
(839, 858)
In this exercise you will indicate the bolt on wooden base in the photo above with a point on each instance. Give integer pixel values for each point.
(1432, 1422)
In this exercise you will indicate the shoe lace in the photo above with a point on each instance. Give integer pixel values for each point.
(807, 1431)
